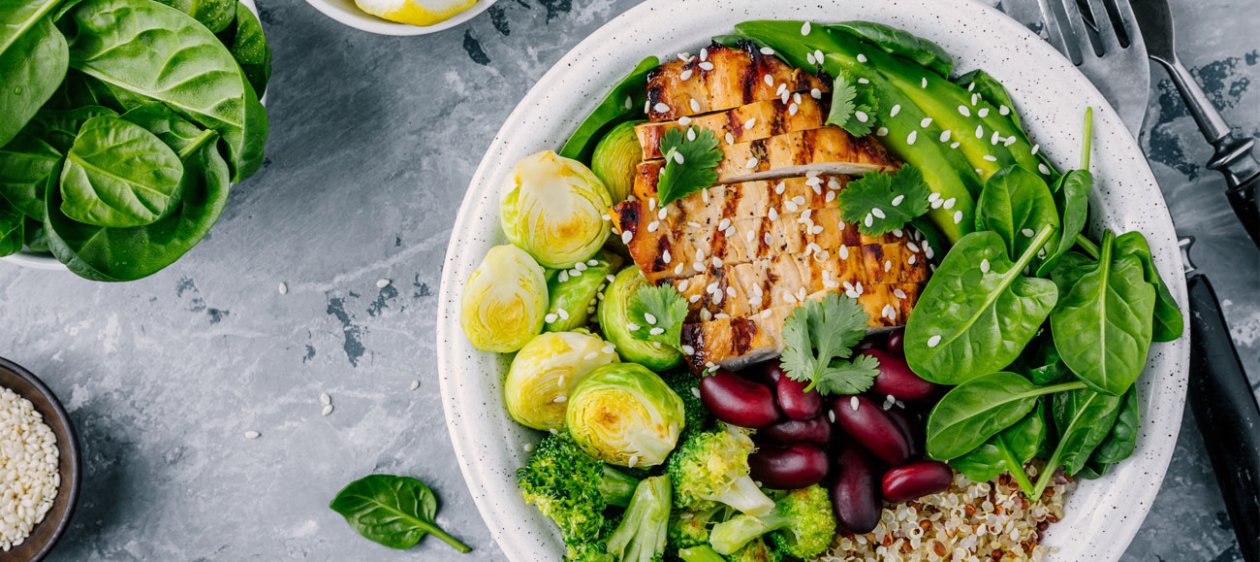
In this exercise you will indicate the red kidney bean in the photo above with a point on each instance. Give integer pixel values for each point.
(795, 402)
(911, 427)
(770, 373)
(855, 493)
(789, 467)
(871, 426)
(896, 379)
(871, 342)
(916, 480)
(896, 343)
(816, 431)
(738, 401)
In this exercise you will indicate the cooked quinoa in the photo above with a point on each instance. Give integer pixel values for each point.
(28, 468)
(972, 522)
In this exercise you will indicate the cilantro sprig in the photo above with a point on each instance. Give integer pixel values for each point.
(880, 202)
(852, 108)
(819, 337)
(691, 159)
(658, 312)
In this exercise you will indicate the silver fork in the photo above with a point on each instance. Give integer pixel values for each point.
(1113, 58)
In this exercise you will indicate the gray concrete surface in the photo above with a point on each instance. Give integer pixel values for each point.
(372, 145)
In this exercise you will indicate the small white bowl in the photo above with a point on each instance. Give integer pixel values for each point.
(345, 12)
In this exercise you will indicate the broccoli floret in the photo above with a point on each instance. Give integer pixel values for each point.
(640, 537)
(573, 488)
(687, 386)
(801, 526)
(700, 553)
(587, 552)
(756, 551)
(712, 466)
(687, 528)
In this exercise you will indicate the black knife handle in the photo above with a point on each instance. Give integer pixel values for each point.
(1227, 414)
(1242, 198)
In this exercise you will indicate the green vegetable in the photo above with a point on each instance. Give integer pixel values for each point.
(621, 104)
(12, 229)
(216, 15)
(1082, 419)
(544, 373)
(818, 339)
(801, 525)
(1102, 325)
(978, 311)
(691, 528)
(1007, 451)
(248, 45)
(756, 551)
(1042, 362)
(1122, 440)
(901, 43)
(658, 313)
(700, 553)
(691, 160)
(624, 414)
(575, 292)
(614, 321)
(976, 410)
(712, 467)
(1168, 321)
(851, 108)
(1071, 193)
(59, 127)
(553, 207)
(880, 202)
(118, 174)
(395, 511)
(1016, 204)
(25, 165)
(121, 41)
(616, 160)
(687, 386)
(33, 61)
(35, 236)
(640, 537)
(504, 301)
(572, 488)
(980, 82)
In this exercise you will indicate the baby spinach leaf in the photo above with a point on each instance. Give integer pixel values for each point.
(1044, 364)
(117, 174)
(900, 43)
(1071, 195)
(622, 103)
(12, 223)
(35, 236)
(1102, 323)
(121, 42)
(33, 61)
(818, 338)
(216, 15)
(59, 127)
(1121, 441)
(176, 132)
(248, 44)
(1082, 418)
(880, 202)
(1168, 321)
(978, 311)
(691, 160)
(1006, 452)
(659, 312)
(396, 511)
(25, 164)
(974, 411)
(1016, 204)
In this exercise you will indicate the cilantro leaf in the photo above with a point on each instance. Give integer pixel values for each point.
(880, 202)
(658, 312)
(691, 159)
(818, 339)
(852, 109)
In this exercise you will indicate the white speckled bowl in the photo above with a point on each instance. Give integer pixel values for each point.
(347, 13)
(1102, 516)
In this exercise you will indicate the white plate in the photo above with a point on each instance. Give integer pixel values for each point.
(346, 12)
(1102, 516)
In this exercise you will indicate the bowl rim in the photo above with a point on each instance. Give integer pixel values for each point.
(364, 21)
(70, 449)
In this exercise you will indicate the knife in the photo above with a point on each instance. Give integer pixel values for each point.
(1233, 156)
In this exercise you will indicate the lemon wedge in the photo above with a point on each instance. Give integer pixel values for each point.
(415, 12)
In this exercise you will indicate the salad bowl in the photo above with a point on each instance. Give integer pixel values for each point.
(1101, 516)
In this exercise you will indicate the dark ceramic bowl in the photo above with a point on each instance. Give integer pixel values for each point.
(47, 532)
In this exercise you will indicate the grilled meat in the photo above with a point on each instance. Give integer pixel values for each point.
(723, 78)
(746, 123)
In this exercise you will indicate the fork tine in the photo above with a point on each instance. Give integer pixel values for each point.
(1077, 22)
(1106, 31)
(1128, 21)
(1058, 30)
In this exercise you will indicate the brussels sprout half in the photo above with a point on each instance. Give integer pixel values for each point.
(554, 208)
(624, 414)
(573, 292)
(504, 300)
(613, 320)
(545, 371)
(616, 159)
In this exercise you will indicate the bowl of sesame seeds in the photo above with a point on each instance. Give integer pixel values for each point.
(39, 466)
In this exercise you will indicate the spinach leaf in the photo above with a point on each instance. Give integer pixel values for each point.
(174, 131)
(972, 412)
(25, 164)
(1122, 440)
(33, 61)
(1168, 321)
(117, 174)
(396, 511)
(1043, 364)
(1102, 324)
(1082, 418)
(1071, 195)
(35, 236)
(248, 44)
(901, 43)
(123, 42)
(216, 15)
(621, 104)
(1006, 452)
(978, 311)
(59, 127)
(1016, 204)
(12, 223)
(991, 90)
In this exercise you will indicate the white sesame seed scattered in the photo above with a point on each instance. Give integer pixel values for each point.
(934, 341)
(818, 55)
(678, 269)
(694, 299)
(861, 57)
(863, 81)
(879, 213)
(869, 220)
(1003, 110)
(792, 109)
(925, 122)
(1028, 232)
(881, 132)
(996, 138)
(752, 163)
(382, 283)
(897, 200)
(913, 259)
(861, 116)
(651, 319)
(730, 138)
(550, 318)
(1045, 170)
(767, 51)
(954, 145)
(815, 93)
(695, 105)
(890, 312)
(324, 398)
(910, 138)
(899, 294)
(283, 288)
(946, 134)
(414, 385)
(854, 403)
(686, 75)
(1035, 149)
(626, 237)
(887, 266)
(661, 214)
(831, 416)
(660, 107)
(1010, 140)
(964, 110)
(750, 123)
(984, 112)
(252, 434)
(633, 327)
(805, 28)
(656, 331)
(958, 216)
(844, 252)
(809, 58)
(990, 157)
(975, 98)
(654, 226)
(564, 314)
(949, 203)
(923, 82)
(895, 110)
(326, 410)
(979, 131)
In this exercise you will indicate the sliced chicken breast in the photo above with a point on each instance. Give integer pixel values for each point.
(747, 123)
(722, 78)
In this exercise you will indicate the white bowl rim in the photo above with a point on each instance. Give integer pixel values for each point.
(1092, 509)
(363, 21)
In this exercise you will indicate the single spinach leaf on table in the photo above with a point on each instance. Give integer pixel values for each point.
(978, 311)
(1102, 323)
(1016, 204)
(622, 103)
(118, 174)
(120, 42)
(900, 43)
(25, 164)
(395, 511)
(33, 62)
(1168, 321)
(973, 412)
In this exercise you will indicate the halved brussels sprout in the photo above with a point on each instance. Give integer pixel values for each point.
(504, 300)
(614, 322)
(624, 414)
(544, 372)
(573, 292)
(554, 208)
(616, 160)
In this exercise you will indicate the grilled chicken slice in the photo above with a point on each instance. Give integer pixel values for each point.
(734, 342)
(746, 123)
(723, 78)
(829, 150)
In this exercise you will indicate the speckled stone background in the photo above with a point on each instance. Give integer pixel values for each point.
(373, 142)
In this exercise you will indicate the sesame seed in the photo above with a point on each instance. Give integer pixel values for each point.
(1010, 140)
(984, 266)
(844, 252)
(979, 131)
(861, 116)
(861, 57)
(911, 137)
(654, 226)
(912, 246)
(899, 293)
(752, 163)
(863, 81)
(925, 122)
(252, 434)
(890, 312)
(954, 145)
(564, 314)
(695, 105)
(1003, 110)
(1035, 149)
(949, 203)
(912, 259)
(881, 132)
(326, 410)
(934, 197)
(984, 112)
(656, 331)
(869, 220)
(854, 403)
(661, 214)
(831, 415)
(324, 398)
(879, 213)
(1045, 170)
(382, 283)
(767, 51)
(975, 98)
(686, 75)
(934, 341)
(805, 28)
(626, 237)
(990, 157)
(632, 326)
(809, 58)
(895, 110)
(691, 133)
(945, 135)
(996, 138)
(964, 110)
(792, 109)
(414, 386)
(818, 55)
(887, 266)
(750, 123)
(1028, 232)
(665, 257)
(678, 269)
(730, 138)
(629, 103)
(694, 299)
(688, 350)
(897, 200)
(660, 107)
(958, 216)
(815, 93)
